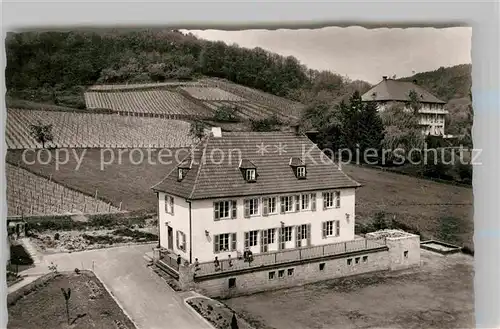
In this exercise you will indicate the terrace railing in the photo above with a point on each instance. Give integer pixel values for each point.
(284, 256)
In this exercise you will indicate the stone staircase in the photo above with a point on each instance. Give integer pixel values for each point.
(31, 250)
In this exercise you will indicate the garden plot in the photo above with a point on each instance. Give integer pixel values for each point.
(41, 304)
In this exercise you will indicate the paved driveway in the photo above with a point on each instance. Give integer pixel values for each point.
(146, 298)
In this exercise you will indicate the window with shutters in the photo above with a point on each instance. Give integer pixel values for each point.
(181, 240)
(251, 238)
(224, 242)
(287, 203)
(331, 199)
(272, 205)
(331, 228)
(303, 231)
(225, 209)
(169, 204)
(287, 233)
(304, 202)
(252, 207)
(271, 235)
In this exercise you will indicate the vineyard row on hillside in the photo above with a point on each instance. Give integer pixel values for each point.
(159, 101)
(81, 130)
(30, 194)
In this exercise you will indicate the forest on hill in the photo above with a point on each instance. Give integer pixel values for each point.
(55, 67)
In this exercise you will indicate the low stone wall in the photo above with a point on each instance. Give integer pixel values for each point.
(289, 275)
(404, 247)
(402, 251)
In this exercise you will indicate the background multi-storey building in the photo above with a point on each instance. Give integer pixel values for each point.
(390, 92)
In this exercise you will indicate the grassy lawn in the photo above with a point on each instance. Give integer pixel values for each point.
(122, 181)
(422, 204)
(439, 294)
(419, 203)
(90, 306)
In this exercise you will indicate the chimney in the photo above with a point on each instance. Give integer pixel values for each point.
(217, 132)
(384, 77)
(295, 128)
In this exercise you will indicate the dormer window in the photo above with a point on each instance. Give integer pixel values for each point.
(299, 168)
(183, 168)
(301, 172)
(249, 170)
(250, 175)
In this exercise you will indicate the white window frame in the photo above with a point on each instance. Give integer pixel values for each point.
(180, 174)
(250, 175)
(331, 202)
(250, 236)
(331, 229)
(225, 238)
(287, 233)
(307, 198)
(301, 171)
(255, 210)
(291, 203)
(169, 204)
(231, 242)
(269, 202)
(181, 240)
(219, 203)
(303, 231)
(271, 236)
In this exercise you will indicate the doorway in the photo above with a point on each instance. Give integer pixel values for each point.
(170, 238)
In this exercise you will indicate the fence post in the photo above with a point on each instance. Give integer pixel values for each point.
(345, 246)
(323, 250)
(300, 253)
(366, 244)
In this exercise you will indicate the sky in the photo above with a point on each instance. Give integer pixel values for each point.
(359, 53)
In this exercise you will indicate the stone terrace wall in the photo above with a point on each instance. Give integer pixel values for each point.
(288, 276)
(404, 248)
(402, 251)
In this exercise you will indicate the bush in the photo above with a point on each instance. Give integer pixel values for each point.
(379, 222)
(449, 227)
(267, 124)
(56, 236)
(226, 114)
(19, 255)
(136, 235)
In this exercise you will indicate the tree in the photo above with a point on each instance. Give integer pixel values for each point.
(402, 129)
(41, 133)
(414, 101)
(67, 296)
(197, 129)
(371, 128)
(234, 322)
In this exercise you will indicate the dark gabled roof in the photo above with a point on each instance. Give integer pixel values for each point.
(186, 163)
(394, 90)
(247, 164)
(295, 162)
(215, 171)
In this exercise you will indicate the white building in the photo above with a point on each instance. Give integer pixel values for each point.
(389, 92)
(261, 191)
